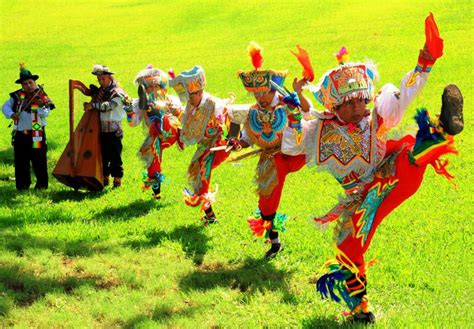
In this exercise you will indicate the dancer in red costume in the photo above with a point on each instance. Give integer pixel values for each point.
(272, 119)
(160, 113)
(204, 123)
(377, 175)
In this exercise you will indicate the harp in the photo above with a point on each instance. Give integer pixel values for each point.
(80, 165)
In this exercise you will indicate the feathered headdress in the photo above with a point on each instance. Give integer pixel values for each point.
(255, 53)
(259, 80)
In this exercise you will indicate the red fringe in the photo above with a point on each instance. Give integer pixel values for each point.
(259, 226)
(433, 42)
(303, 58)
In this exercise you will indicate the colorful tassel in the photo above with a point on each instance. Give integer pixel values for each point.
(332, 284)
(303, 58)
(279, 223)
(430, 144)
(23, 68)
(342, 56)
(153, 182)
(260, 227)
(194, 200)
(255, 53)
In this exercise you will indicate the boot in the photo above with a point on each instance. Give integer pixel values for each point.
(106, 181)
(157, 192)
(451, 118)
(276, 245)
(274, 250)
(362, 317)
(117, 182)
(207, 220)
(209, 217)
(142, 98)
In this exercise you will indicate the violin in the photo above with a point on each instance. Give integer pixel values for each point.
(40, 97)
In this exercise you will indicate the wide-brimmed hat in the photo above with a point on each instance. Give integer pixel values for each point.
(101, 70)
(25, 74)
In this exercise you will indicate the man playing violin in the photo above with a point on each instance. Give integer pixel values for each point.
(28, 107)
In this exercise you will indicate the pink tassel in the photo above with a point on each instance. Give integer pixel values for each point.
(342, 56)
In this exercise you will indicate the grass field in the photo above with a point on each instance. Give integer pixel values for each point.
(120, 259)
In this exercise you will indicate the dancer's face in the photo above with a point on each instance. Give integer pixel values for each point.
(351, 111)
(265, 99)
(195, 98)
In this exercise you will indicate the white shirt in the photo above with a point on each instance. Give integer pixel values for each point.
(24, 121)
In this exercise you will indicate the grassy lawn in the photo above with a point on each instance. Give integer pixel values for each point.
(120, 259)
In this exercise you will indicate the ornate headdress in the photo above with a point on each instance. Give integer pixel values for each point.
(25, 74)
(189, 82)
(152, 77)
(259, 80)
(345, 82)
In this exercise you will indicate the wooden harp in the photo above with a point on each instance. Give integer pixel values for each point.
(80, 165)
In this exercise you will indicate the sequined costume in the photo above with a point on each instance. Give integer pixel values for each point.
(377, 174)
(204, 125)
(159, 112)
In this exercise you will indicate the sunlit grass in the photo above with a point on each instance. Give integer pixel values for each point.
(120, 259)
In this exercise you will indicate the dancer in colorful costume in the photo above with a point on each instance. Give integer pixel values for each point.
(377, 174)
(28, 107)
(266, 123)
(204, 123)
(160, 113)
(111, 101)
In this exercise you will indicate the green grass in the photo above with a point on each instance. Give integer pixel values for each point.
(120, 259)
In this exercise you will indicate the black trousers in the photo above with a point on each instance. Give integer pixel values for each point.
(24, 153)
(111, 154)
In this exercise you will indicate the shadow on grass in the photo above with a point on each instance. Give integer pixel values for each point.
(127, 212)
(9, 195)
(160, 314)
(192, 239)
(322, 322)
(21, 241)
(22, 286)
(66, 195)
(251, 276)
(6, 156)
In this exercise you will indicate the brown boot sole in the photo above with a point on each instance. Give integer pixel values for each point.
(451, 118)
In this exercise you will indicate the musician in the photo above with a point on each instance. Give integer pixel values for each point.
(28, 107)
(110, 100)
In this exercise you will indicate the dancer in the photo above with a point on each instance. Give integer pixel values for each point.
(160, 113)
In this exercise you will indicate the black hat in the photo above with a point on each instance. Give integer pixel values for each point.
(25, 74)
(101, 70)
